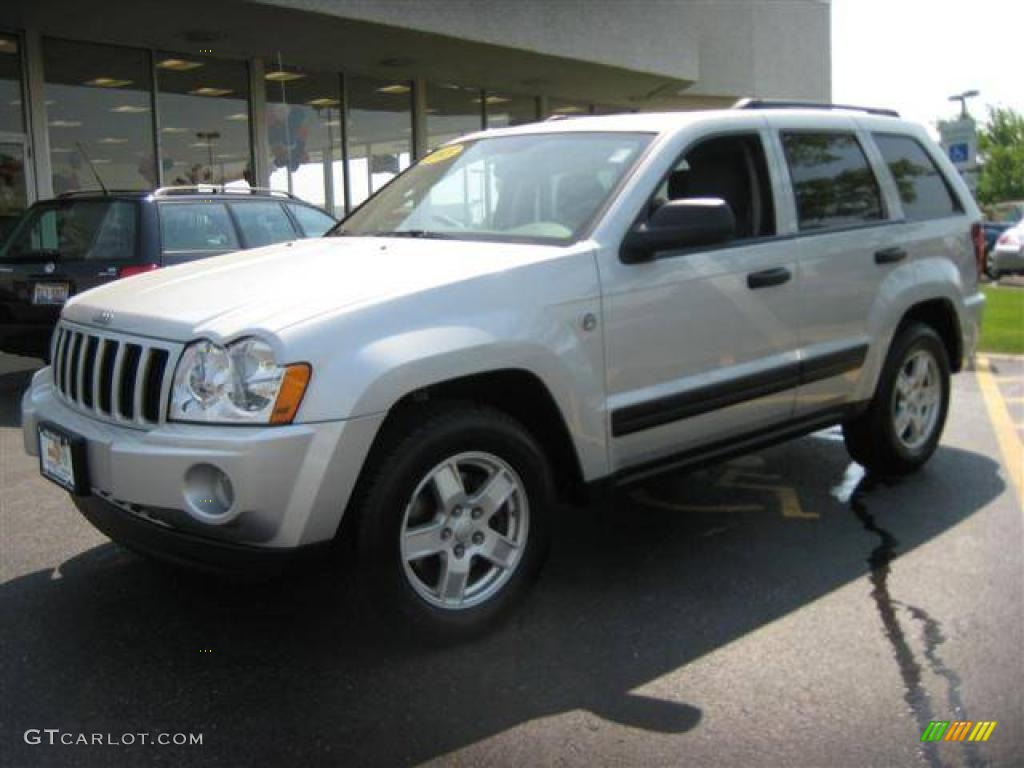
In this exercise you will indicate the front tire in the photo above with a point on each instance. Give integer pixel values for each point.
(452, 523)
(901, 428)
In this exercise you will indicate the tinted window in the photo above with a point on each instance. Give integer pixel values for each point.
(263, 223)
(832, 181)
(732, 168)
(922, 187)
(94, 230)
(312, 222)
(196, 227)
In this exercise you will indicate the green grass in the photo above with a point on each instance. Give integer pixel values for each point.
(1002, 329)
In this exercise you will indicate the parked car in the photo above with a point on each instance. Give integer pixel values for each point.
(78, 241)
(998, 219)
(525, 315)
(1007, 258)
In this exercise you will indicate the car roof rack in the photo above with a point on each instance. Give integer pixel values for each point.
(220, 189)
(795, 104)
(98, 193)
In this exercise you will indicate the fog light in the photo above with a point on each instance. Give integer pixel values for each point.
(208, 493)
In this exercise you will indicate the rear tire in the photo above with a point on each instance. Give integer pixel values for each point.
(452, 521)
(901, 428)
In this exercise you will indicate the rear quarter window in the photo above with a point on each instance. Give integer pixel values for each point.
(196, 228)
(832, 180)
(312, 222)
(923, 189)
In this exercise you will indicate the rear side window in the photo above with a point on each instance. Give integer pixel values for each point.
(263, 223)
(196, 227)
(313, 223)
(75, 230)
(832, 181)
(922, 187)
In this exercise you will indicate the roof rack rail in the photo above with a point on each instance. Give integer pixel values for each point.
(98, 193)
(220, 189)
(794, 104)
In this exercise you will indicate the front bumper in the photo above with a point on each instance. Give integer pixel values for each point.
(291, 483)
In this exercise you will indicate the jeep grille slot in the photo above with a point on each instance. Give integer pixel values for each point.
(111, 377)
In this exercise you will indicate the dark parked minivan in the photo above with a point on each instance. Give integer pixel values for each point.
(83, 239)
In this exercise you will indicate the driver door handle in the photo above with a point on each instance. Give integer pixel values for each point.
(767, 277)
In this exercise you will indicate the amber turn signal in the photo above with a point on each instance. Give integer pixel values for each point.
(289, 396)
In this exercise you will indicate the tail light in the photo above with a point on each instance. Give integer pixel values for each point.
(136, 269)
(978, 238)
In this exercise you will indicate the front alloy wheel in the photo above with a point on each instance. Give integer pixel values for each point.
(464, 530)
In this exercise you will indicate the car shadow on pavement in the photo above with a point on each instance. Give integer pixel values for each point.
(636, 587)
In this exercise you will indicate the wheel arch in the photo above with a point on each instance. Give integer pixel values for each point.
(941, 315)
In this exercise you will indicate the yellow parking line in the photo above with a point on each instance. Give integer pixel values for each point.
(1006, 432)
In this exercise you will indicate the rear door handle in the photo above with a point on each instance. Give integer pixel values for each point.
(767, 277)
(890, 255)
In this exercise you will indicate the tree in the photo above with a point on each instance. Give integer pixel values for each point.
(1001, 146)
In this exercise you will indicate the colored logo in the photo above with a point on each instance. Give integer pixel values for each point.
(958, 730)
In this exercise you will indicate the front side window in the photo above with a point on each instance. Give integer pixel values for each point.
(263, 223)
(531, 188)
(196, 227)
(313, 222)
(923, 189)
(78, 230)
(832, 181)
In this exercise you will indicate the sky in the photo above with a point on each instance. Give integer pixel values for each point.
(911, 55)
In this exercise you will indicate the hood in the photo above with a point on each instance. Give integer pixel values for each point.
(281, 285)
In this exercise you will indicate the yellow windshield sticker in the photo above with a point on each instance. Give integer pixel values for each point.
(442, 154)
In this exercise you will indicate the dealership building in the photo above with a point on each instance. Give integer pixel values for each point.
(329, 99)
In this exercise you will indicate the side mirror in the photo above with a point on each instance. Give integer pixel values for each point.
(685, 223)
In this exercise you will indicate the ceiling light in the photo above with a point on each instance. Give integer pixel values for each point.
(238, 116)
(568, 109)
(281, 76)
(179, 65)
(207, 91)
(129, 109)
(332, 123)
(101, 161)
(323, 101)
(396, 88)
(493, 100)
(108, 82)
(172, 129)
(112, 140)
(200, 144)
(60, 150)
(8, 46)
(65, 123)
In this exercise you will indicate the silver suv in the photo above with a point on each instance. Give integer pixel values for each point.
(523, 314)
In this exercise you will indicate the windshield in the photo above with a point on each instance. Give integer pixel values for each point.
(532, 188)
(74, 230)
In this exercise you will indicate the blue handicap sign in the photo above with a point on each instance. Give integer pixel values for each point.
(958, 152)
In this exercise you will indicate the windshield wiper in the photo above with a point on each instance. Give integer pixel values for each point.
(425, 233)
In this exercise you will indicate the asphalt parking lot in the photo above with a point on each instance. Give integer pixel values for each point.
(781, 609)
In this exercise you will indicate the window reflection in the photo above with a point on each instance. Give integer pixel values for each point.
(506, 109)
(304, 135)
(452, 111)
(204, 120)
(98, 107)
(379, 133)
(10, 86)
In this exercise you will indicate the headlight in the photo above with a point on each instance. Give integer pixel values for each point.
(239, 384)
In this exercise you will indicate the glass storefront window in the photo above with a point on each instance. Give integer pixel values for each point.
(452, 111)
(204, 120)
(98, 115)
(11, 119)
(506, 109)
(304, 135)
(379, 133)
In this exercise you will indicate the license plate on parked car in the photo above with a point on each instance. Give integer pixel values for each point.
(62, 459)
(50, 293)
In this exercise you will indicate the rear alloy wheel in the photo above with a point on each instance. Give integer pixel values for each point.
(451, 519)
(901, 428)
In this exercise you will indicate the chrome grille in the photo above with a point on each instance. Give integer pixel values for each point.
(117, 378)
